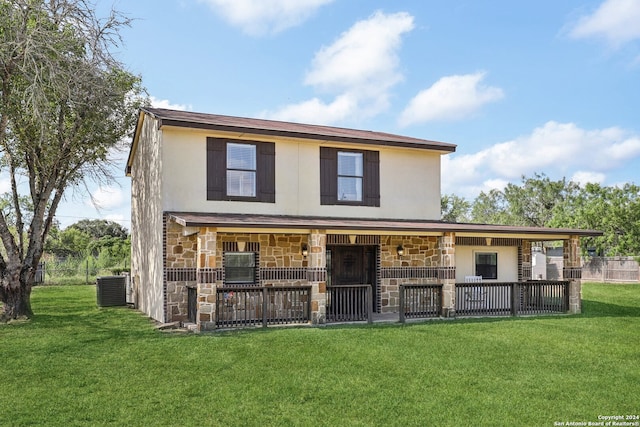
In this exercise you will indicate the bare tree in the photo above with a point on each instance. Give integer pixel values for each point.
(65, 104)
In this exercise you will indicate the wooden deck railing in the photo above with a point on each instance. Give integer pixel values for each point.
(241, 306)
(512, 298)
(540, 297)
(349, 303)
(420, 301)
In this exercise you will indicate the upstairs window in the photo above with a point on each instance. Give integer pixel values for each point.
(487, 265)
(349, 177)
(241, 170)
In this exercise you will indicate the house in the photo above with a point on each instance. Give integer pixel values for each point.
(241, 221)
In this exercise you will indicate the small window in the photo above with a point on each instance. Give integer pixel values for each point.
(241, 170)
(487, 265)
(350, 176)
(240, 268)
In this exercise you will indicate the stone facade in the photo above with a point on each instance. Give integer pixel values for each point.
(572, 271)
(417, 265)
(194, 257)
(181, 250)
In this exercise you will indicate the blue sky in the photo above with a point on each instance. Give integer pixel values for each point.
(521, 87)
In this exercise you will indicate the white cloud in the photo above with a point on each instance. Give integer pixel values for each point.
(585, 177)
(165, 103)
(363, 56)
(258, 17)
(315, 110)
(358, 69)
(450, 98)
(557, 149)
(615, 20)
(106, 198)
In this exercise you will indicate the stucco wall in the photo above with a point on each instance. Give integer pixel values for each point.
(507, 262)
(415, 172)
(146, 223)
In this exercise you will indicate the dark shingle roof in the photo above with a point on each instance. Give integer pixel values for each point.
(287, 129)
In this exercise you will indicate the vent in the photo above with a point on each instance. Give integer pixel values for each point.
(111, 291)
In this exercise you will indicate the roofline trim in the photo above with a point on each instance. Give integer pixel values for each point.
(289, 222)
(164, 120)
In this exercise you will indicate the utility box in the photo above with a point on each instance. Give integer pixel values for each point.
(538, 264)
(111, 291)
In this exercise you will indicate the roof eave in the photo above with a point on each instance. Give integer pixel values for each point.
(373, 225)
(176, 122)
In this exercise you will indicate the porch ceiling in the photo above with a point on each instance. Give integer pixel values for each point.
(368, 225)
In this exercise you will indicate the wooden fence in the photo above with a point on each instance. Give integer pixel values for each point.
(611, 269)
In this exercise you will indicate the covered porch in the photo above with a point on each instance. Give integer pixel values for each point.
(319, 270)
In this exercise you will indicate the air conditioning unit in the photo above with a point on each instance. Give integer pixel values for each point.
(111, 291)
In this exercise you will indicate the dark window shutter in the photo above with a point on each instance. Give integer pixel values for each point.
(328, 176)
(266, 172)
(216, 169)
(371, 181)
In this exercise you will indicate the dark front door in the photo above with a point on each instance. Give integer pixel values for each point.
(353, 265)
(347, 265)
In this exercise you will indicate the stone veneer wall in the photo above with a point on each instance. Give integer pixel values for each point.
(180, 270)
(418, 265)
(276, 251)
(572, 271)
(279, 256)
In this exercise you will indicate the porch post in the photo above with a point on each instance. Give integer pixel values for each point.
(524, 272)
(572, 271)
(317, 274)
(208, 275)
(447, 272)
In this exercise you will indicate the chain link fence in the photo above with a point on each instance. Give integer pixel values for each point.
(76, 272)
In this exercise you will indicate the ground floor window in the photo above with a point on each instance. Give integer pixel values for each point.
(240, 268)
(487, 265)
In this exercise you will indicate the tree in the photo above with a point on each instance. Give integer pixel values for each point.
(530, 204)
(533, 203)
(490, 208)
(613, 210)
(98, 228)
(69, 242)
(65, 103)
(454, 208)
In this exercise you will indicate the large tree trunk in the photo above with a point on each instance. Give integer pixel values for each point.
(15, 294)
(17, 302)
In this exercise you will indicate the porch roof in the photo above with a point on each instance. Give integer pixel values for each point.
(367, 225)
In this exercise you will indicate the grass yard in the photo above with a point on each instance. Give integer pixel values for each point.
(76, 364)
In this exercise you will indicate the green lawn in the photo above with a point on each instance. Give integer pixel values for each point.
(76, 364)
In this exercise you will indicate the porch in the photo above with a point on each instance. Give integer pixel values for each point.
(240, 307)
(228, 277)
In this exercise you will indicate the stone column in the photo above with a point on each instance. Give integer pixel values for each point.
(447, 272)
(317, 274)
(572, 271)
(207, 278)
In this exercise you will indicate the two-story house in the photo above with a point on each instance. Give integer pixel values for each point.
(221, 204)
